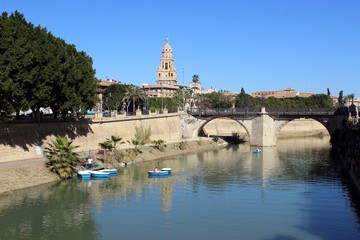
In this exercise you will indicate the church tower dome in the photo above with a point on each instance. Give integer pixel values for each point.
(166, 70)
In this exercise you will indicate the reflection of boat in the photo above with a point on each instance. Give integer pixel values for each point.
(166, 169)
(165, 176)
(112, 171)
(84, 174)
(158, 173)
(257, 150)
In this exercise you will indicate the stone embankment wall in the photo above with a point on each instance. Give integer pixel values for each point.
(20, 141)
(347, 143)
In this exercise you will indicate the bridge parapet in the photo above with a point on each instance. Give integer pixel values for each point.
(198, 112)
(301, 111)
(250, 112)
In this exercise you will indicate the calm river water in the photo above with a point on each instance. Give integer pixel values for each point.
(294, 191)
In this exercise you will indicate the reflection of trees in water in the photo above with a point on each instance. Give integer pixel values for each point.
(305, 157)
(305, 165)
(58, 212)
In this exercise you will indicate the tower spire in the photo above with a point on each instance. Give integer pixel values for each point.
(166, 70)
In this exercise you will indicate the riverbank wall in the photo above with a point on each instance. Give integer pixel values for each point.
(346, 142)
(19, 141)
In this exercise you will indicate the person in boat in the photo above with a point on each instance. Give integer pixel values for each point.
(90, 162)
(155, 169)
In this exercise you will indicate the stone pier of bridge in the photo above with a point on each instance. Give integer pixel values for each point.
(263, 129)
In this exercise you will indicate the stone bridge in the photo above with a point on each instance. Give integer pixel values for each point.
(263, 126)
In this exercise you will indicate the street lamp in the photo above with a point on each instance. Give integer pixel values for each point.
(110, 104)
(162, 99)
(145, 107)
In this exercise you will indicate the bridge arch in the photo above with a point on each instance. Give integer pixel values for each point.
(280, 127)
(201, 128)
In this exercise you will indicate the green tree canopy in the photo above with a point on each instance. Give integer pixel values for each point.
(40, 70)
(244, 100)
(113, 96)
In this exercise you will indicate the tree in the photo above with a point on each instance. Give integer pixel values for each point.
(351, 96)
(134, 94)
(181, 97)
(218, 100)
(195, 78)
(61, 157)
(319, 101)
(113, 96)
(328, 92)
(157, 103)
(14, 55)
(341, 100)
(40, 70)
(244, 100)
(201, 101)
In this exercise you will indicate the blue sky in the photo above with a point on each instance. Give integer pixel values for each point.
(258, 45)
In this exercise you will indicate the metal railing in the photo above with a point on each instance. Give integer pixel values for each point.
(255, 111)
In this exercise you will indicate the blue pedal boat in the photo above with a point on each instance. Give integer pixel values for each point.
(112, 171)
(257, 150)
(84, 174)
(166, 169)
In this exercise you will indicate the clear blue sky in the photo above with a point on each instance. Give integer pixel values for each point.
(309, 45)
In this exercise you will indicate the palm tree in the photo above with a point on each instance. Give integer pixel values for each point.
(107, 145)
(134, 94)
(115, 140)
(195, 78)
(181, 97)
(62, 159)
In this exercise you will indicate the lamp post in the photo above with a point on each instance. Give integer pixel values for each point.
(162, 99)
(110, 105)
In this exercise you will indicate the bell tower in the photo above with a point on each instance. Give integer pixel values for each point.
(166, 70)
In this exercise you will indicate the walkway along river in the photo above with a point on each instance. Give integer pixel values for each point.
(293, 191)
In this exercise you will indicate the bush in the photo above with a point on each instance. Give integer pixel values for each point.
(182, 145)
(159, 145)
(143, 135)
(215, 139)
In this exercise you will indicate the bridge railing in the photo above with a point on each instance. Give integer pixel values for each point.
(254, 111)
(223, 111)
(301, 111)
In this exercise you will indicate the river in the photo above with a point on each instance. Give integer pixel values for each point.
(294, 191)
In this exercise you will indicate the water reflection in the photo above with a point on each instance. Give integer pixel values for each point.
(291, 191)
(47, 212)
